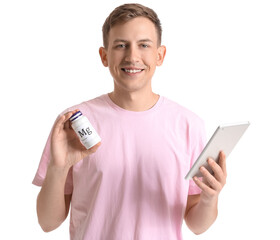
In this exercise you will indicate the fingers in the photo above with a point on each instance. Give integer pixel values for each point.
(203, 186)
(93, 149)
(62, 122)
(219, 168)
(216, 181)
(218, 172)
(210, 180)
(67, 122)
(59, 124)
(222, 162)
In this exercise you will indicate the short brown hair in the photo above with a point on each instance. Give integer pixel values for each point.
(126, 12)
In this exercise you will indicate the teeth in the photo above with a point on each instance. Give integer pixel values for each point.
(132, 70)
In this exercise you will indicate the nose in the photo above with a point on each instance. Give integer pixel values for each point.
(132, 54)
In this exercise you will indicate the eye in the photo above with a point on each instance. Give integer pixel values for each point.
(121, 46)
(144, 45)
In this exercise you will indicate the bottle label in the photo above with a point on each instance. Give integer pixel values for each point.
(84, 132)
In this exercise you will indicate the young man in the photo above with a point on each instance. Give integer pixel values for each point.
(132, 185)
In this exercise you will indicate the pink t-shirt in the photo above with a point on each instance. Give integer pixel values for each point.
(133, 186)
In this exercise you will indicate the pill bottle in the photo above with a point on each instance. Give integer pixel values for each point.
(84, 130)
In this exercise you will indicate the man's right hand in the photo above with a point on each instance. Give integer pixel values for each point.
(66, 148)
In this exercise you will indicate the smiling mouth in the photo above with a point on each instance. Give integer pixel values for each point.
(127, 70)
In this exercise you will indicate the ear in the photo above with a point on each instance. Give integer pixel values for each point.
(103, 56)
(161, 51)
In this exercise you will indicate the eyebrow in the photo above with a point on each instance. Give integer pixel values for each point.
(125, 41)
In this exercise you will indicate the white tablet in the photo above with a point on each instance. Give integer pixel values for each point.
(224, 138)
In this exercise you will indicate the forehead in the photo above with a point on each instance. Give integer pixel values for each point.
(135, 29)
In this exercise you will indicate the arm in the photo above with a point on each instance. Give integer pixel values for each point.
(52, 205)
(202, 210)
(66, 150)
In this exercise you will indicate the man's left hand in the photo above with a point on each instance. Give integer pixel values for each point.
(211, 185)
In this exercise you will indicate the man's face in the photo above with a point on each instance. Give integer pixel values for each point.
(133, 54)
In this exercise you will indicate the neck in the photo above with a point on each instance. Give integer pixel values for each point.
(134, 101)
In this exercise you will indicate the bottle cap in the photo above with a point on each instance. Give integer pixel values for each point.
(75, 116)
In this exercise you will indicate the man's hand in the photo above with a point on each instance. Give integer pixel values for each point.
(212, 185)
(66, 148)
(203, 210)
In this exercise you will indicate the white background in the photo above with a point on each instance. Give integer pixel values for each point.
(222, 62)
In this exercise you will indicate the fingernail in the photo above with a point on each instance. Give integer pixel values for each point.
(202, 168)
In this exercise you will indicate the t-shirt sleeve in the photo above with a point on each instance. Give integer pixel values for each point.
(198, 143)
(43, 166)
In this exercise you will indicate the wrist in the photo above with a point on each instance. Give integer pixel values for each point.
(59, 166)
(59, 172)
(208, 201)
(54, 182)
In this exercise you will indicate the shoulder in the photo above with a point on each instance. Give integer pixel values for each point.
(175, 109)
(89, 106)
(95, 109)
(186, 121)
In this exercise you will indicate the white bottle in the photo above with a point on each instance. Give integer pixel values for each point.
(84, 130)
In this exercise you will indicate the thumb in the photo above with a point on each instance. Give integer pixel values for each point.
(92, 149)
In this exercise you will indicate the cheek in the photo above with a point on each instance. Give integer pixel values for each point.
(113, 70)
(150, 60)
(113, 62)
